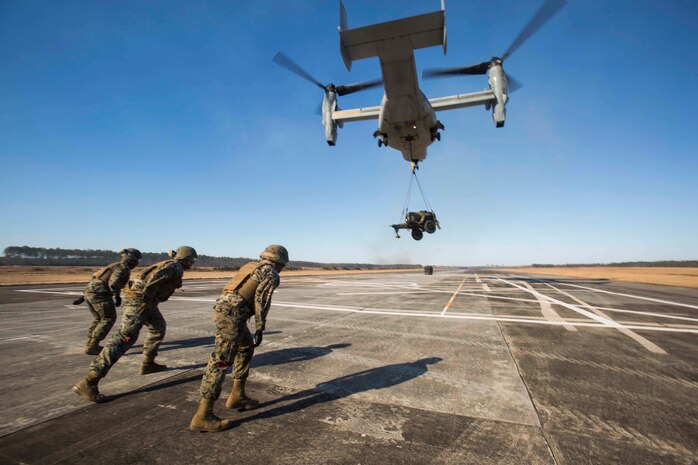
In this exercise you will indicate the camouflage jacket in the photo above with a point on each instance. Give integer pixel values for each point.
(267, 279)
(157, 282)
(114, 277)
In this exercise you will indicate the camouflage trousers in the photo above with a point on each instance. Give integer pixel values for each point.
(136, 314)
(234, 345)
(101, 305)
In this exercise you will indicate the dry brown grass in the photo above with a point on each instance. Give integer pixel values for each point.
(684, 277)
(23, 275)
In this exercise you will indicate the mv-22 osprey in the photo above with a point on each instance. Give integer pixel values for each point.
(406, 117)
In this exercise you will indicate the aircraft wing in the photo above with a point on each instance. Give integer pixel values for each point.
(356, 114)
(453, 102)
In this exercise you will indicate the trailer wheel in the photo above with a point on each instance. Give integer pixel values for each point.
(430, 226)
(417, 234)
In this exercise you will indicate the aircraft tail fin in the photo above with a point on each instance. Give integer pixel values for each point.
(415, 32)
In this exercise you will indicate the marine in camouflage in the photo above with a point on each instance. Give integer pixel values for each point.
(100, 293)
(154, 284)
(234, 344)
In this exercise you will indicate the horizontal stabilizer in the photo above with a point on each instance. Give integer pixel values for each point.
(415, 32)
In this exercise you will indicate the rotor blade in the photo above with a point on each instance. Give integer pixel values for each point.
(544, 13)
(440, 72)
(282, 60)
(351, 88)
(514, 85)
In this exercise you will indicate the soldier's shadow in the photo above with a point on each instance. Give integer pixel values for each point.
(274, 357)
(281, 356)
(368, 380)
(292, 355)
(184, 343)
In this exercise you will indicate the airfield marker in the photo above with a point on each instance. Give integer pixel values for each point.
(453, 296)
(668, 302)
(606, 321)
(547, 310)
(644, 342)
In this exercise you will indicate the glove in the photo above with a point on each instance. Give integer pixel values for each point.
(258, 338)
(117, 300)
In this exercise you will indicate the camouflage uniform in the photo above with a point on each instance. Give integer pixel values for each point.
(234, 343)
(102, 288)
(155, 284)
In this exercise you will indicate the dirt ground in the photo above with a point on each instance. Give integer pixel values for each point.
(21, 275)
(684, 277)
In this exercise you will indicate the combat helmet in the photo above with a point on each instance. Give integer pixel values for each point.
(275, 253)
(184, 253)
(131, 254)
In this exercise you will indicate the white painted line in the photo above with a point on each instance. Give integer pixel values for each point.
(455, 316)
(37, 291)
(384, 293)
(477, 278)
(547, 309)
(659, 315)
(586, 313)
(411, 287)
(485, 287)
(643, 341)
(502, 318)
(450, 301)
(16, 338)
(668, 302)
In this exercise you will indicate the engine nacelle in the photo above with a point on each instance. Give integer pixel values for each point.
(500, 87)
(329, 104)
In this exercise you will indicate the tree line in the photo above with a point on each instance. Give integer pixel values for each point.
(37, 256)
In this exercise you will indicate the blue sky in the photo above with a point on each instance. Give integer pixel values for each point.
(156, 124)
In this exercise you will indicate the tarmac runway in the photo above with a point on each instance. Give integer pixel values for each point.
(461, 367)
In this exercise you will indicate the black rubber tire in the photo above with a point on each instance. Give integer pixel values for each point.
(430, 226)
(417, 234)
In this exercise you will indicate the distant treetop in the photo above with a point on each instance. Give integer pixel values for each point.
(25, 255)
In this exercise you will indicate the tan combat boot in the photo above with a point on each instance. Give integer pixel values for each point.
(88, 390)
(92, 347)
(237, 398)
(149, 366)
(205, 421)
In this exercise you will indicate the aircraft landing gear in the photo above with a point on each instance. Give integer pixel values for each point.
(383, 138)
(435, 134)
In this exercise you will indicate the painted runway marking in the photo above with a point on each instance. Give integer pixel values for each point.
(384, 293)
(38, 291)
(644, 342)
(599, 323)
(575, 308)
(501, 318)
(547, 309)
(485, 287)
(668, 302)
(450, 301)
(658, 315)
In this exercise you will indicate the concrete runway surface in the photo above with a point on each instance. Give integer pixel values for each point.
(460, 367)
